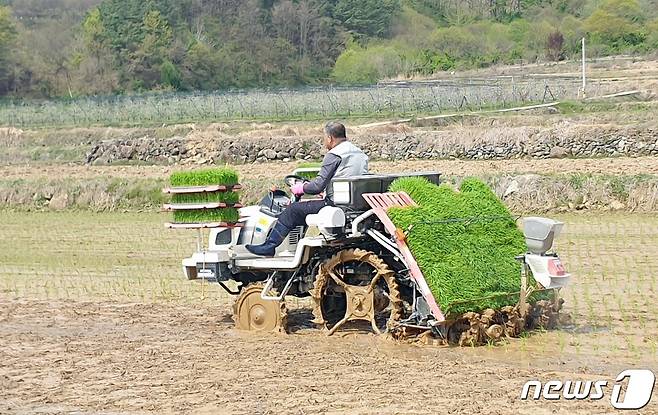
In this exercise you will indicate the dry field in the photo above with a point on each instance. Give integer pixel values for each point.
(95, 317)
(276, 171)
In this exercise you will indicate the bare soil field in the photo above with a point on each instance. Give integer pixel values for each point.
(277, 170)
(95, 317)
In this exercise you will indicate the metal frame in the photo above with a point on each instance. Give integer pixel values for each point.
(196, 206)
(380, 204)
(269, 284)
(201, 189)
(204, 225)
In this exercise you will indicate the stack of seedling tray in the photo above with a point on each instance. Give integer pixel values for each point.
(205, 198)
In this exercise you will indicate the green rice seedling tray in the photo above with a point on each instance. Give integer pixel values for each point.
(465, 243)
(204, 177)
(308, 171)
(206, 215)
(206, 197)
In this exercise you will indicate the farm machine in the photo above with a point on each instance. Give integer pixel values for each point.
(356, 266)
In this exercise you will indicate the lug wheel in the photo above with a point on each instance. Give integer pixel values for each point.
(356, 285)
(251, 312)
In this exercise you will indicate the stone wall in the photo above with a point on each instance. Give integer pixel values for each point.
(563, 140)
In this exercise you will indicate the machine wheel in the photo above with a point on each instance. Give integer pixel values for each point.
(353, 285)
(251, 312)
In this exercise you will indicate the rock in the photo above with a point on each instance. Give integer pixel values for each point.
(270, 154)
(511, 189)
(59, 202)
(617, 205)
(558, 152)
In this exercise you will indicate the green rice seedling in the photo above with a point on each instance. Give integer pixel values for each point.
(224, 176)
(524, 343)
(561, 342)
(308, 175)
(465, 243)
(206, 215)
(221, 197)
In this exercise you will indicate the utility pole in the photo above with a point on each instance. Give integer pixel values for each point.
(584, 82)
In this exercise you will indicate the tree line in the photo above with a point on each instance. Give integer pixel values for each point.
(53, 48)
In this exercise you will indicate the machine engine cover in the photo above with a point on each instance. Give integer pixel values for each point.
(548, 270)
(329, 220)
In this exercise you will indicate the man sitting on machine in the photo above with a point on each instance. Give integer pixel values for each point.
(343, 159)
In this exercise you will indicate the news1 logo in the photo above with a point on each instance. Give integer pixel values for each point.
(638, 389)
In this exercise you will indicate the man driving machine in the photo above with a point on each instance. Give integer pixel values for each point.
(343, 159)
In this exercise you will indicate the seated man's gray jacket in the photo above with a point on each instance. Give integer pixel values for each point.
(344, 160)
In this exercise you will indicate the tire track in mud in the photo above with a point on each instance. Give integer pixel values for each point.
(76, 356)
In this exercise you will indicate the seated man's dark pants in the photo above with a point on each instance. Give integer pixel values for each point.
(295, 214)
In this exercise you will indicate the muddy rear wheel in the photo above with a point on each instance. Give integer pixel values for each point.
(353, 285)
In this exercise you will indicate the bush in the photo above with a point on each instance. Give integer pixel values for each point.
(465, 243)
(359, 65)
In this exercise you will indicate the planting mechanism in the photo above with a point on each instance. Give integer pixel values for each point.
(356, 266)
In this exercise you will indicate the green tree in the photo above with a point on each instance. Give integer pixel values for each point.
(652, 34)
(615, 24)
(7, 42)
(147, 61)
(170, 75)
(367, 17)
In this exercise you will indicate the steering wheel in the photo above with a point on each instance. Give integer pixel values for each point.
(292, 179)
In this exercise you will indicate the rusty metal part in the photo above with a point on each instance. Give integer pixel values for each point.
(473, 335)
(495, 331)
(545, 314)
(472, 329)
(251, 312)
(362, 302)
(512, 319)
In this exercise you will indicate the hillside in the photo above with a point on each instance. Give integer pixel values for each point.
(88, 47)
